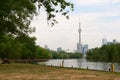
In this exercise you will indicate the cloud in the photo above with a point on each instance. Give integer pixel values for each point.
(91, 2)
(95, 2)
(115, 1)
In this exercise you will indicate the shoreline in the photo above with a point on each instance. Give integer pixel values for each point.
(20, 71)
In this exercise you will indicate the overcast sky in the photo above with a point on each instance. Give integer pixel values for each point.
(98, 18)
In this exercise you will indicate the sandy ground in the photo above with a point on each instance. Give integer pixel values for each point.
(37, 72)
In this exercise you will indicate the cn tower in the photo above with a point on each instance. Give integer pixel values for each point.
(79, 45)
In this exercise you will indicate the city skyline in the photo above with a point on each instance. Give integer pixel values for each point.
(98, 19)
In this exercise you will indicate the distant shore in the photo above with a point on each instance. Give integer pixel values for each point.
(22, 60)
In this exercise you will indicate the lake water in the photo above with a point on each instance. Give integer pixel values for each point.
(82, 63)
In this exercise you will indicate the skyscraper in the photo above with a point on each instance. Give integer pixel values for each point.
(59, 49)
(46, 46)
(114, 41)
(85, 49)
(104, 41)
(79, 45)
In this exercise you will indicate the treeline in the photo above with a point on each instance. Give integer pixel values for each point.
(24, 47)
(21, 47)
(66, 55)
(106, 53)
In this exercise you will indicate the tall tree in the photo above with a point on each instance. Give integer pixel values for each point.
(16, 15)
(108, 53)
(9, 47)
(28, 46)
(15, 18)
(54, 6)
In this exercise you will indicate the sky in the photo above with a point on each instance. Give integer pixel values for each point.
(99, 19)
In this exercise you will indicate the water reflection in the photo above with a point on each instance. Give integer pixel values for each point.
(83, 63)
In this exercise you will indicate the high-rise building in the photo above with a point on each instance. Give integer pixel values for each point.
(114, 41)
(104, 41)
(108, 43)
(59, 49)
(46, 47)
(85, 49)
(79, 45)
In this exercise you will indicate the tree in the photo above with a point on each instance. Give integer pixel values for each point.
(9, 48)
(43, 53)
(107, 53)
(75, 55)
(28, 46)
(16, 15)
(15, 18)
(54, 6)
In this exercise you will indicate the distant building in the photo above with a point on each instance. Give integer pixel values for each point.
(59, 49)
(104, 41)
(79, 48)
(46, 47)
(108, 43)
(114, 41)
(85, 49)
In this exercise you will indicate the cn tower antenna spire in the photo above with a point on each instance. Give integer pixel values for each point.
(79, 25)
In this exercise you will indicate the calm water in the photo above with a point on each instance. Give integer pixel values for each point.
(82, 63)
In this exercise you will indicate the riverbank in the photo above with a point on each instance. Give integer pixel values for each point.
(83, 63)
(39, 72)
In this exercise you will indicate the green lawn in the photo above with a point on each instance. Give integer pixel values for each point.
(39, 72)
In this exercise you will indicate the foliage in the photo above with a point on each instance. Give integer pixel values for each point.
(22, 47)
(15, 19)
(43, 53)
(28, 46)
(54, 6)
(9, 47)
(15, 16)
(108, 53)
(75, 55)
(66, 55)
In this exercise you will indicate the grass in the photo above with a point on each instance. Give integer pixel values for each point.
(39, 72)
